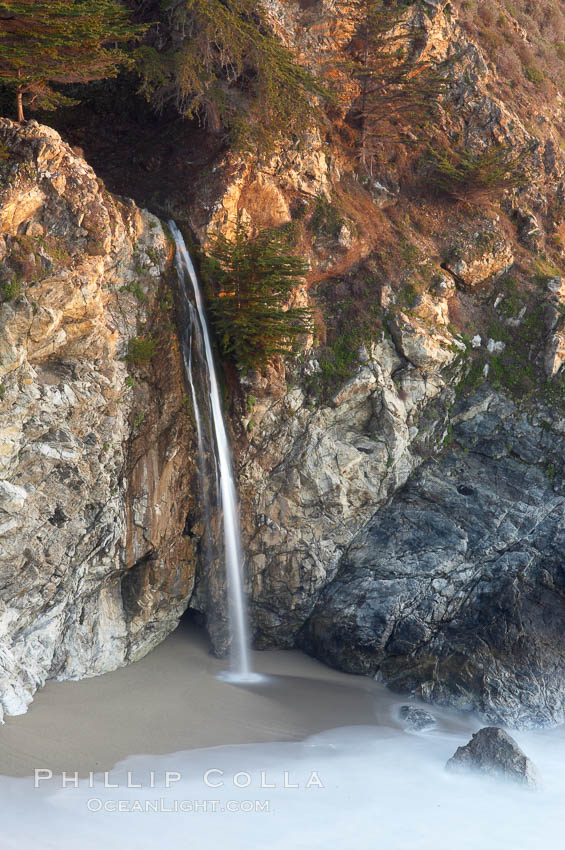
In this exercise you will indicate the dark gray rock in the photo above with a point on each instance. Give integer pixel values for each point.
(455, 591)
(416, 719)
(493, 752)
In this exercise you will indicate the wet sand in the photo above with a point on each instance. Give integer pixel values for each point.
(376, 786)
(172, 700)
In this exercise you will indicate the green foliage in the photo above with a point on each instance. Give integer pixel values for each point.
(9, 290)
(407, 297)
(140, 349)
(551, 471)
(352, 322)
(251, 280)
(409, 252)
(467, 176)
(473, 378)
(223, 65)
(395, 83)
(326, 219)
(513, 302)
(517, 368)
(534, 75)
(544, 270)
(338, 362)
(60, 41)
(135, 289)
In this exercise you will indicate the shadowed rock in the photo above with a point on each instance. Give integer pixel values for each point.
(494, 752)
(453, 592)
(416, 719)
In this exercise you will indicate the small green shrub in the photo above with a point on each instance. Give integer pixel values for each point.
(410, 252)
(534, 75)
(135, 288)
(352, 322)
(466, 175)
(338, 362)
(10, 289)
(326, 219)
(512, 303)
(140, 349)
(544, 270)
(407, 296)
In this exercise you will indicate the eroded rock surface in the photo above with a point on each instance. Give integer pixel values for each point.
(416, 719)
(493, 752)
(454, 590)
(94, 471)
(315, 475)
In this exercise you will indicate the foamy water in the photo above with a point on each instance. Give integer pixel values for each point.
(359, 787)
(382, 787)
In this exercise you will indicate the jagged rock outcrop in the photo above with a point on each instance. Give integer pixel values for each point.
(416, 719)
(454, 591)
(315, 474)
(480, 255)
(354, 554)
(94, 468)
(493, 752)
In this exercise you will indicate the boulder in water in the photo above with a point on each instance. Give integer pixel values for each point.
(416, 719)
(494, 752)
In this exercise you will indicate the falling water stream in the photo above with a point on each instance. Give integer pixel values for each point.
(240, 663)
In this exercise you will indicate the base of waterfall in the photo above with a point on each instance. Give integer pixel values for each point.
(165, 754)
(233, 678)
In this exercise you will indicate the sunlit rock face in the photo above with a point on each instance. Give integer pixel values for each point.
(94, 469)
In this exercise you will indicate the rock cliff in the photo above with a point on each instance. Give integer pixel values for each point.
(455, 589)
(403, 506)
(94, 467)
(401, 481)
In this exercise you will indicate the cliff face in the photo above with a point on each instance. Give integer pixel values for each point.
(94, 468)
(454, 590)
(401, 481)
(402, 507)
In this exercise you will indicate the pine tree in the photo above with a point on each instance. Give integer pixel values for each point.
(469, 176)
(393, 80)
(60, 41)
(251, 281)
(221, 62)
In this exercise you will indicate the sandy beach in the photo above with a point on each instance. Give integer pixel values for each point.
(375, 785)
(173, 700)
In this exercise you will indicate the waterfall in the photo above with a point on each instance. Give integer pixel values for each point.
(192, 337)
(197, 324)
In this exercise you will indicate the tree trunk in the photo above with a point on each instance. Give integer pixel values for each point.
(20, 105)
